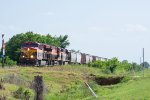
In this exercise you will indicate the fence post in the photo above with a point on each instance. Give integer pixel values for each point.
(38, 87)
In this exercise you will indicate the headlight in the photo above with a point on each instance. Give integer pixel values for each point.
(31, 56)
(23, 56)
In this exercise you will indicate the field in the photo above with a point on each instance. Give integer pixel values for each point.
(67, 83)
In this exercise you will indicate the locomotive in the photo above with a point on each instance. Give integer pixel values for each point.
(33, 53)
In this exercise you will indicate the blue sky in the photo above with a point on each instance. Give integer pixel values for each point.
(107, 28)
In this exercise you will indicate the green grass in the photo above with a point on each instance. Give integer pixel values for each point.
(67, 83)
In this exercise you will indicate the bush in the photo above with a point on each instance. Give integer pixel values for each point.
(9, 62)
(22, 94)
(98, 64)
(111, 65)
(125, 79)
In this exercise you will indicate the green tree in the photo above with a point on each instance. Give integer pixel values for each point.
(146, 64)
(136, 67)
(108, 66)
(125, 65)
(112, 64)
(63, 42)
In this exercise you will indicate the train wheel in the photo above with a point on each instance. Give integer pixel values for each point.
(48, 62)
(37, 64)
(60, 62)
(53, 63)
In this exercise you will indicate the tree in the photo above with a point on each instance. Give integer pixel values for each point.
(146, 64)
(136, 66)
(125, 65)
(63, 42)
(113, 63)
(108, 66)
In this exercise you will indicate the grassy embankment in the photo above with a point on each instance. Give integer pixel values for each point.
(67, 82)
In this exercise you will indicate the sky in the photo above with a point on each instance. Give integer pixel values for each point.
(106, 28)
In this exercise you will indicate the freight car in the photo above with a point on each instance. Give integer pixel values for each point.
(33, 53)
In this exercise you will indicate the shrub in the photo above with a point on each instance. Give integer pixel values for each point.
(108, 66)
(9, 62)
(18, 93)
(22, 94)
(97, 64)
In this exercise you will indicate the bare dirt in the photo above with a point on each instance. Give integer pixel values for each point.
(107, 80)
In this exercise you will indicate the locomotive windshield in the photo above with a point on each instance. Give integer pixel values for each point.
(29, 44)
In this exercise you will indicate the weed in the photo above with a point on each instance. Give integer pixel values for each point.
(21, 93)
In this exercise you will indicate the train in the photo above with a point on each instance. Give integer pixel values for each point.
(39, 54)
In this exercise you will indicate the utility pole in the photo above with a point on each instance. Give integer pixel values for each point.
(143, 62)
(3, 50)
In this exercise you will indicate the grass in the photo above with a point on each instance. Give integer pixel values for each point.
(67, 83)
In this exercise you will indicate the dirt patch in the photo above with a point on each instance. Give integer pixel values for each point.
(107, 80)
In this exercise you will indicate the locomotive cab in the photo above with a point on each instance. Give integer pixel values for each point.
(29, 53)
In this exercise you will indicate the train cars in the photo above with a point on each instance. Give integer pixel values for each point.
(87, 58)
(78, 61)
(72, 57)
(83, 58)
(33, 53)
